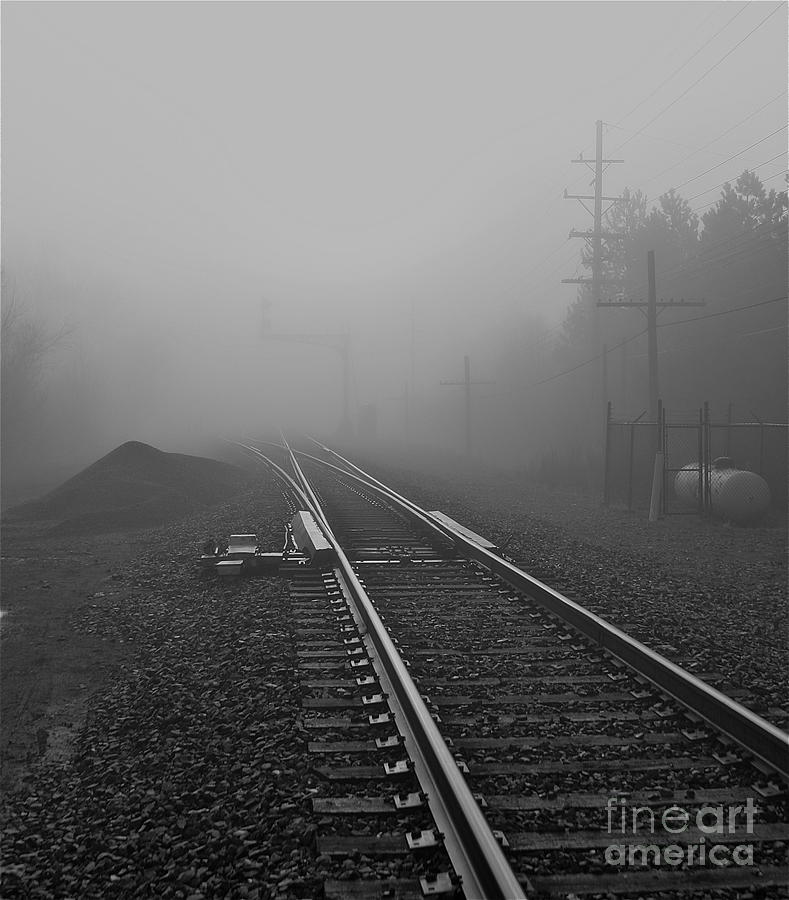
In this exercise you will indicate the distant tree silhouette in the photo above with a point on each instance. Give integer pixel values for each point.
(25, 344)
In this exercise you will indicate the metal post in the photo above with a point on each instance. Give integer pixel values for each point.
(413, 346)
(630, 467)
(407, 411)
(664, 452)
(467, 382)
(606, 453)
(346, 380)
(652, 336)
(761, 448)
(707, 458)
(729, 416)
(624, 381)
(701, 461)
(658, 470)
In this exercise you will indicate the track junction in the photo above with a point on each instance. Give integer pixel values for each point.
(500, 736)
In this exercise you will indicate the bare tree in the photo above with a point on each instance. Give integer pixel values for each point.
(25, 344)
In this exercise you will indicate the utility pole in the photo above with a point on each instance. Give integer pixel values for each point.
(654, 387)
(595, 237)
(467, 383)
(652, 306)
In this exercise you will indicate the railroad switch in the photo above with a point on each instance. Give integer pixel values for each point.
(241, 555)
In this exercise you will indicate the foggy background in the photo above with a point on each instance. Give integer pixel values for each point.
(183, 180)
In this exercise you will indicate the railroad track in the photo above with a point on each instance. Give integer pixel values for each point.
(480, 734)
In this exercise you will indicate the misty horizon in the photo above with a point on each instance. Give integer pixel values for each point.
(184, 182)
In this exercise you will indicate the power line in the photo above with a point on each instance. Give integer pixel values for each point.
(780, 174)
(724, 312)
(733, 156)
(702, 76)
(728, 181)
(717, 138)
(687, 61)
(692, 267)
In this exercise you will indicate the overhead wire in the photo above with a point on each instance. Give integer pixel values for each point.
(697, 81)
(718, 137)
(779, 174)
(729, 180)
(730, 158)
(687, 61)
(643, 331)
(704, 74)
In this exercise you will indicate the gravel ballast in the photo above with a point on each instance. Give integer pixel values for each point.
(190, 776)
(693, 589)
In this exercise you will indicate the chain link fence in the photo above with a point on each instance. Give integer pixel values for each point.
(736, 470)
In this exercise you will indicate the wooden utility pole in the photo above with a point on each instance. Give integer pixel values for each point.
(596, 236)
(654, 388)
(467, 383)
(652, 306)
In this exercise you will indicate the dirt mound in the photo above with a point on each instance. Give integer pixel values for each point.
(134, 486)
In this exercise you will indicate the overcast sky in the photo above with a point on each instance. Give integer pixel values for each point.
(166, 163)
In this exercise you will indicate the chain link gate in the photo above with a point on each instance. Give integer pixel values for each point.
(729, 468)
(685, 468)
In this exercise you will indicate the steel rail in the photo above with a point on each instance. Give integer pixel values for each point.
(474, 851)
(756, 735)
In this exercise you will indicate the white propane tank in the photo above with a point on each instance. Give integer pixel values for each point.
(686, 484)
(735, 494)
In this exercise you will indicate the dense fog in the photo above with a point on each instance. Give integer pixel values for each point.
(201, 200)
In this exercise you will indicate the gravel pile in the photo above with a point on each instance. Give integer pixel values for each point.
(134, 486)
(710, 596)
